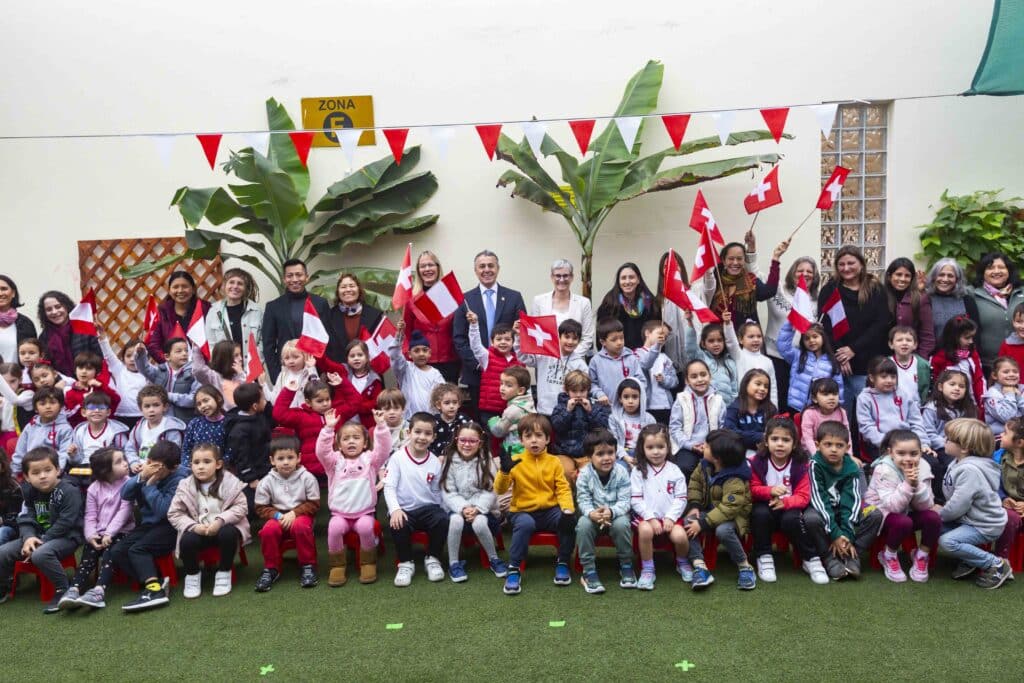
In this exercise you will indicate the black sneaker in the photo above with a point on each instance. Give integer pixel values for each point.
(963, 570)
(308, 577)
(147, 600)
(268, 577)
(54, 605)
(996, 576)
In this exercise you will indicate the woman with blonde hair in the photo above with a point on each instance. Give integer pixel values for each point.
(426, 273)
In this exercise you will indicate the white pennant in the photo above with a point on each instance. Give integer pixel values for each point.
(258, 141)
(442, 135)
(628, 128)
(826, 115)
(349, 139)
(164, 146)
(534, 132)
(724, 121)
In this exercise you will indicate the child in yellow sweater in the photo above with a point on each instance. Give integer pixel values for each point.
(541, 499)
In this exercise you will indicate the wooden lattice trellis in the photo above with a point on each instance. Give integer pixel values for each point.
(120, 303)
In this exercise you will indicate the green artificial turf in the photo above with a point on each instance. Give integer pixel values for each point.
(789, 631)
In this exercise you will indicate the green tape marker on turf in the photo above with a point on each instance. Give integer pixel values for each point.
(268, 669)
(556, 624)
(394, 627)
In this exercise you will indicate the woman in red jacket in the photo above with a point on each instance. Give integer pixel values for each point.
(442, 349)
(176, 309)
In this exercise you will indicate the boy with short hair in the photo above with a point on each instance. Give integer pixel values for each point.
(247, 433)
(417, 381)
(551, 372)
(719, 500)
(50, 524)
(154, 427)
(662, 378)
(392, 402)
(152, 489)
(541, 500)
(98, 431)
(575, 416)
(287, 499)
(515, 390)
(840, 528)
(88, 366)
(1013, 346)
(602, 493)
(175, 376)
(913, 371)
(493, 361)
(49, 427)
(614, 362)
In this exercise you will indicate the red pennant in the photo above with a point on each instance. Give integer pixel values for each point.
(582, 129)
(489, 136)
(676, 124)
(302, 140)
(776, 120)
(210, 143)
(396, 138)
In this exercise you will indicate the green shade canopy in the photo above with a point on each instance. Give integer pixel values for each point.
(1001, 71)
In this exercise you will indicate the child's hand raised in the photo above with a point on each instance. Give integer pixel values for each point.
(506, 463)
(471, 317)
(292, 385)
(727, 316)
(100, 332)
(331, 418)
(236, 365)
(378, 416)
(333, 378)
(516, 326)
(310, 362)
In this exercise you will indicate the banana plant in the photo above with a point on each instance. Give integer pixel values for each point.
(613, 173)
(269, 219)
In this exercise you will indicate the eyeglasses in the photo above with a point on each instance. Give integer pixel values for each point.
(468, 440)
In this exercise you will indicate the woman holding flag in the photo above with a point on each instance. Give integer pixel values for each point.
(734, 288)
(61, 343)
(442, 349)
(563, 304)
(779, 307)
(237, 316)
(175, 310)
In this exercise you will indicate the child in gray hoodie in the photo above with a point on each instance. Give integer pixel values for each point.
(614, 362)
(973, 513)
(49, 427)
(882, 407)
(628, 417)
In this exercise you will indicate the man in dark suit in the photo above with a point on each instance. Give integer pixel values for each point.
(493, 304)
(282, 318)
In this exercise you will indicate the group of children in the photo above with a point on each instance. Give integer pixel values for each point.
(185, 456)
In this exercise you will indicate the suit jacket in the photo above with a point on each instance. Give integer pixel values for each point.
(335, 325)
(507, 306)
(279, 328)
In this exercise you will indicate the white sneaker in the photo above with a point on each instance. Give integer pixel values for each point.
(766, 568)
(891, 565)
(193, 586)
(435, 572)
(403, 577)
(816, 570)
(221, 584)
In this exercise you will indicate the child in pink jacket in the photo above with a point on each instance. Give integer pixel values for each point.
(901, 487)
(352, 490)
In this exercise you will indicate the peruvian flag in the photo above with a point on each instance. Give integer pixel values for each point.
(833, 308)
(378, 343)
(701, 219)
(313, 339)
(152, 317)
(255, 367)
(83, 316)
(403, 287)
(441, 300)
(765, 194)
(538, 336)
(833, 188)
(800, 316)
(705, 259)
(196, 332)
(676, 292)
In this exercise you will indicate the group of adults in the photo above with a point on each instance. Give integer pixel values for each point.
(902, 296)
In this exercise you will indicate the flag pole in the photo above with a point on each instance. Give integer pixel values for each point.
(753, 222)
(801, 223)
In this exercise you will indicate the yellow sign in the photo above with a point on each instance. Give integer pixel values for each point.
(331, 113)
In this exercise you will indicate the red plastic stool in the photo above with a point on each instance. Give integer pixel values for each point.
(352, 538)
(210, 557)
(1017, 553)
(541, 538)
(710, 546)
(602, 541)
(781, 543)
(418, 538)
(469, 540)
(164, 567)
(46, 588)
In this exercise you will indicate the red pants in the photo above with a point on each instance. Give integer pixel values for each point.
(301, 532)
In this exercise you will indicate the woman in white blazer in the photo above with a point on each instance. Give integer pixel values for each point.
(563, 304)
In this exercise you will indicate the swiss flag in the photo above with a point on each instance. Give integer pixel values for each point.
(83, 316)
(441, 300)
(836, 313)
(765, 194)
(538, 336)
(701, 219)
(705, 259)
(800, 316)
(196, 332)
(152, 317)
(833, 188)
(403, 287)
(676, 292)
(313, 339)
(378, 343)
(255, 367)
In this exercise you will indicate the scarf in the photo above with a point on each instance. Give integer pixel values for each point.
(8, 317)
(350, 310)
(58, 347)
(963, 354)
(743, 288)
(636, 307)
(1000, 295)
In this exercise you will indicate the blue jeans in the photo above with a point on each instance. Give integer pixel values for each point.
(7, 533)
(551, 519)
(728, 535)
(962, 541)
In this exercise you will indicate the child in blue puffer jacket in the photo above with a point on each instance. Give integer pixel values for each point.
(812, 360)
(574, 416)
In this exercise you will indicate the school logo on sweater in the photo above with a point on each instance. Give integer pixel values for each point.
(670, 488)
(430, 477)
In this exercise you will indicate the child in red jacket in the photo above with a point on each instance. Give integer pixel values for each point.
(781, 489)
(1013, 347)
(88, 369)
(957, 350)
(308, 420)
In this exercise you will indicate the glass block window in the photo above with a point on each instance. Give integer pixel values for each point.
(858, 142)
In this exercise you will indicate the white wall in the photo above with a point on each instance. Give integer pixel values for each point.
(118, 67)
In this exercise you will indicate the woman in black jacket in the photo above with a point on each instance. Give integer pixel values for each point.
(349, 316)
(14, 327)
(631, 302)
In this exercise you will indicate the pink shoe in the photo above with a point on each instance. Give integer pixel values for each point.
(919, 567)
(891, 565)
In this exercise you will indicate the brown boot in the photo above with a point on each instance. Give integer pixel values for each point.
(367, 565)
(337, 562)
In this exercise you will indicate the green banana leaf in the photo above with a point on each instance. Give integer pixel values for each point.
(369, 234)
(684, 176)
(281, 151)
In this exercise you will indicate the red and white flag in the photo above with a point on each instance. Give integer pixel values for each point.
(833, 188)
(177, 332)
(403, 287)
(378, 343)
(538, 336)
(701, 219)
(833, 308)
(705, 259)
(83, 316)
(441, 300)
(677, 293)
(152, 317)
(313, 339)
(196, 332)
(254, 367)
(765, 194)
(800, 316)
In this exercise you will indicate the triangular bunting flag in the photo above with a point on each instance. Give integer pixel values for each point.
(776, 121)
(260, 142)
(534, 131)
(489, 137)
(724, 121)
(210, 143)
(164, 147)
(676, 124)
(629, 126)
(582, 129)
(348, 138)
(826, 115)
(442, 136)
(302, 140)
(396, 139)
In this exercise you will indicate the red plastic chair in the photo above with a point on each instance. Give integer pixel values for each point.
(1017, 553)
(210, 557)
(602, 541)
(46, 588)
(469, 541)
(782, 545)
